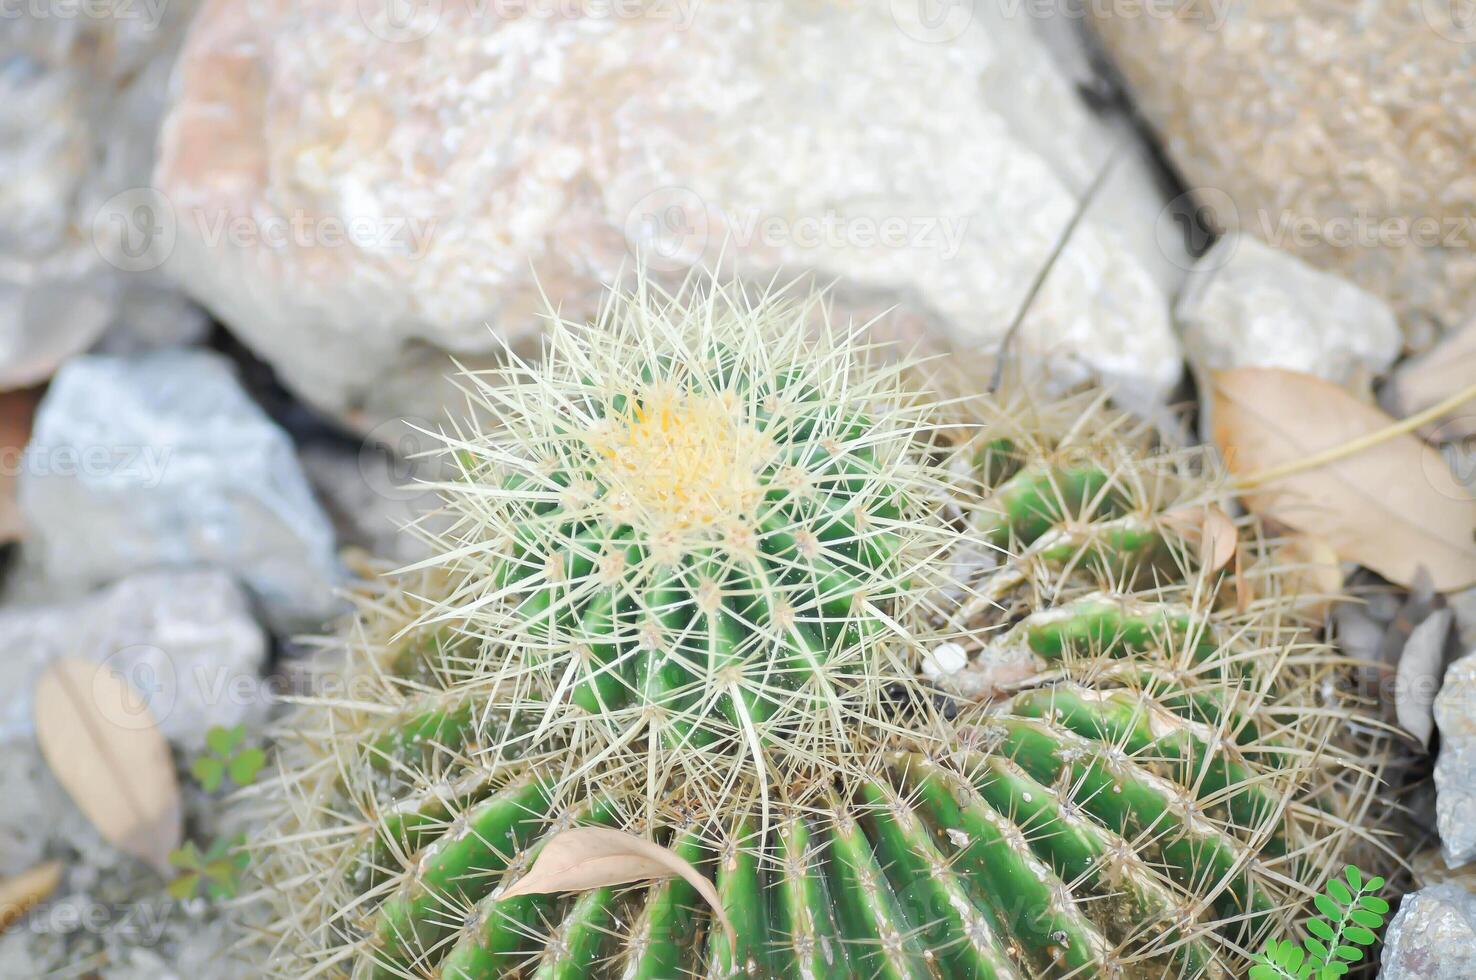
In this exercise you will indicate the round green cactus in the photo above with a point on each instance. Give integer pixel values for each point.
(922, 699)
(698, 539)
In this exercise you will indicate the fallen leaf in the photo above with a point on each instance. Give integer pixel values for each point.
(1212, 530)
(1417, 681)
(1311, 571)
(1393, 507)
(20, 894)
(592, 857)
(17, 410)
(100, 740)
(1244, 594)
(1433, 377)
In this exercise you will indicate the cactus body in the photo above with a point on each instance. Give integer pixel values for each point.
(693, 578)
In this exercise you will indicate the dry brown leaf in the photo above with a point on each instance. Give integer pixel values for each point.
(592, 857)
(101, 742)
(1312, 572)
(1212, 530)
(1433, 377)
(17, 409)
(1393, 507)
(20, 894)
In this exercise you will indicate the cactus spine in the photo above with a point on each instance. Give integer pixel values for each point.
(692, 577)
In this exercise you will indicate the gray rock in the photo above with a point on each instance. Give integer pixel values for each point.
(1455, 769)
(161, 459)
(1424, 381)
(185, 639)
(82, 91)
(924, 168)
(1248, 305)
(1464, 606)
(373, 497)
(1432, 936)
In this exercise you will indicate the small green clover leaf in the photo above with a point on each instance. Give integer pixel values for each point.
(217, 871)
(224, 761)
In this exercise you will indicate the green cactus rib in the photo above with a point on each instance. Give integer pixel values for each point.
(1067, 845)
(1160, 742)
(924, 869)
(456, 868)
(1039, 498)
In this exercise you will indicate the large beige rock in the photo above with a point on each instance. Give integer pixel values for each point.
(81, 96)
(357, 194)
(1342, 132)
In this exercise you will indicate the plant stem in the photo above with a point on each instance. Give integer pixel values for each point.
(1355, 446)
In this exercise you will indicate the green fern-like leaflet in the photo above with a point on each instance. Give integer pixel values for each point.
(1352, 914)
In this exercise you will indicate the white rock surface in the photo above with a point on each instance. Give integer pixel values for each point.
(1249, 305)
(1432, 936)
(81, 95)
(186, 641)
(1455, 769)
(161, 459)
(353, 225)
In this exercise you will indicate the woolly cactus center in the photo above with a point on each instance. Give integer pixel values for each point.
(679, 461)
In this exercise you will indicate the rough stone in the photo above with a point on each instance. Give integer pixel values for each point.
(161, 459)
(1432, 936)
(1344, 133)
(1464, 606)
(373, 497)
(354, 226)
(186, 640)
(1455, 769)
(81, 96)
(1249, 305)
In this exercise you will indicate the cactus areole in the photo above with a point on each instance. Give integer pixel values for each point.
(694, 564)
